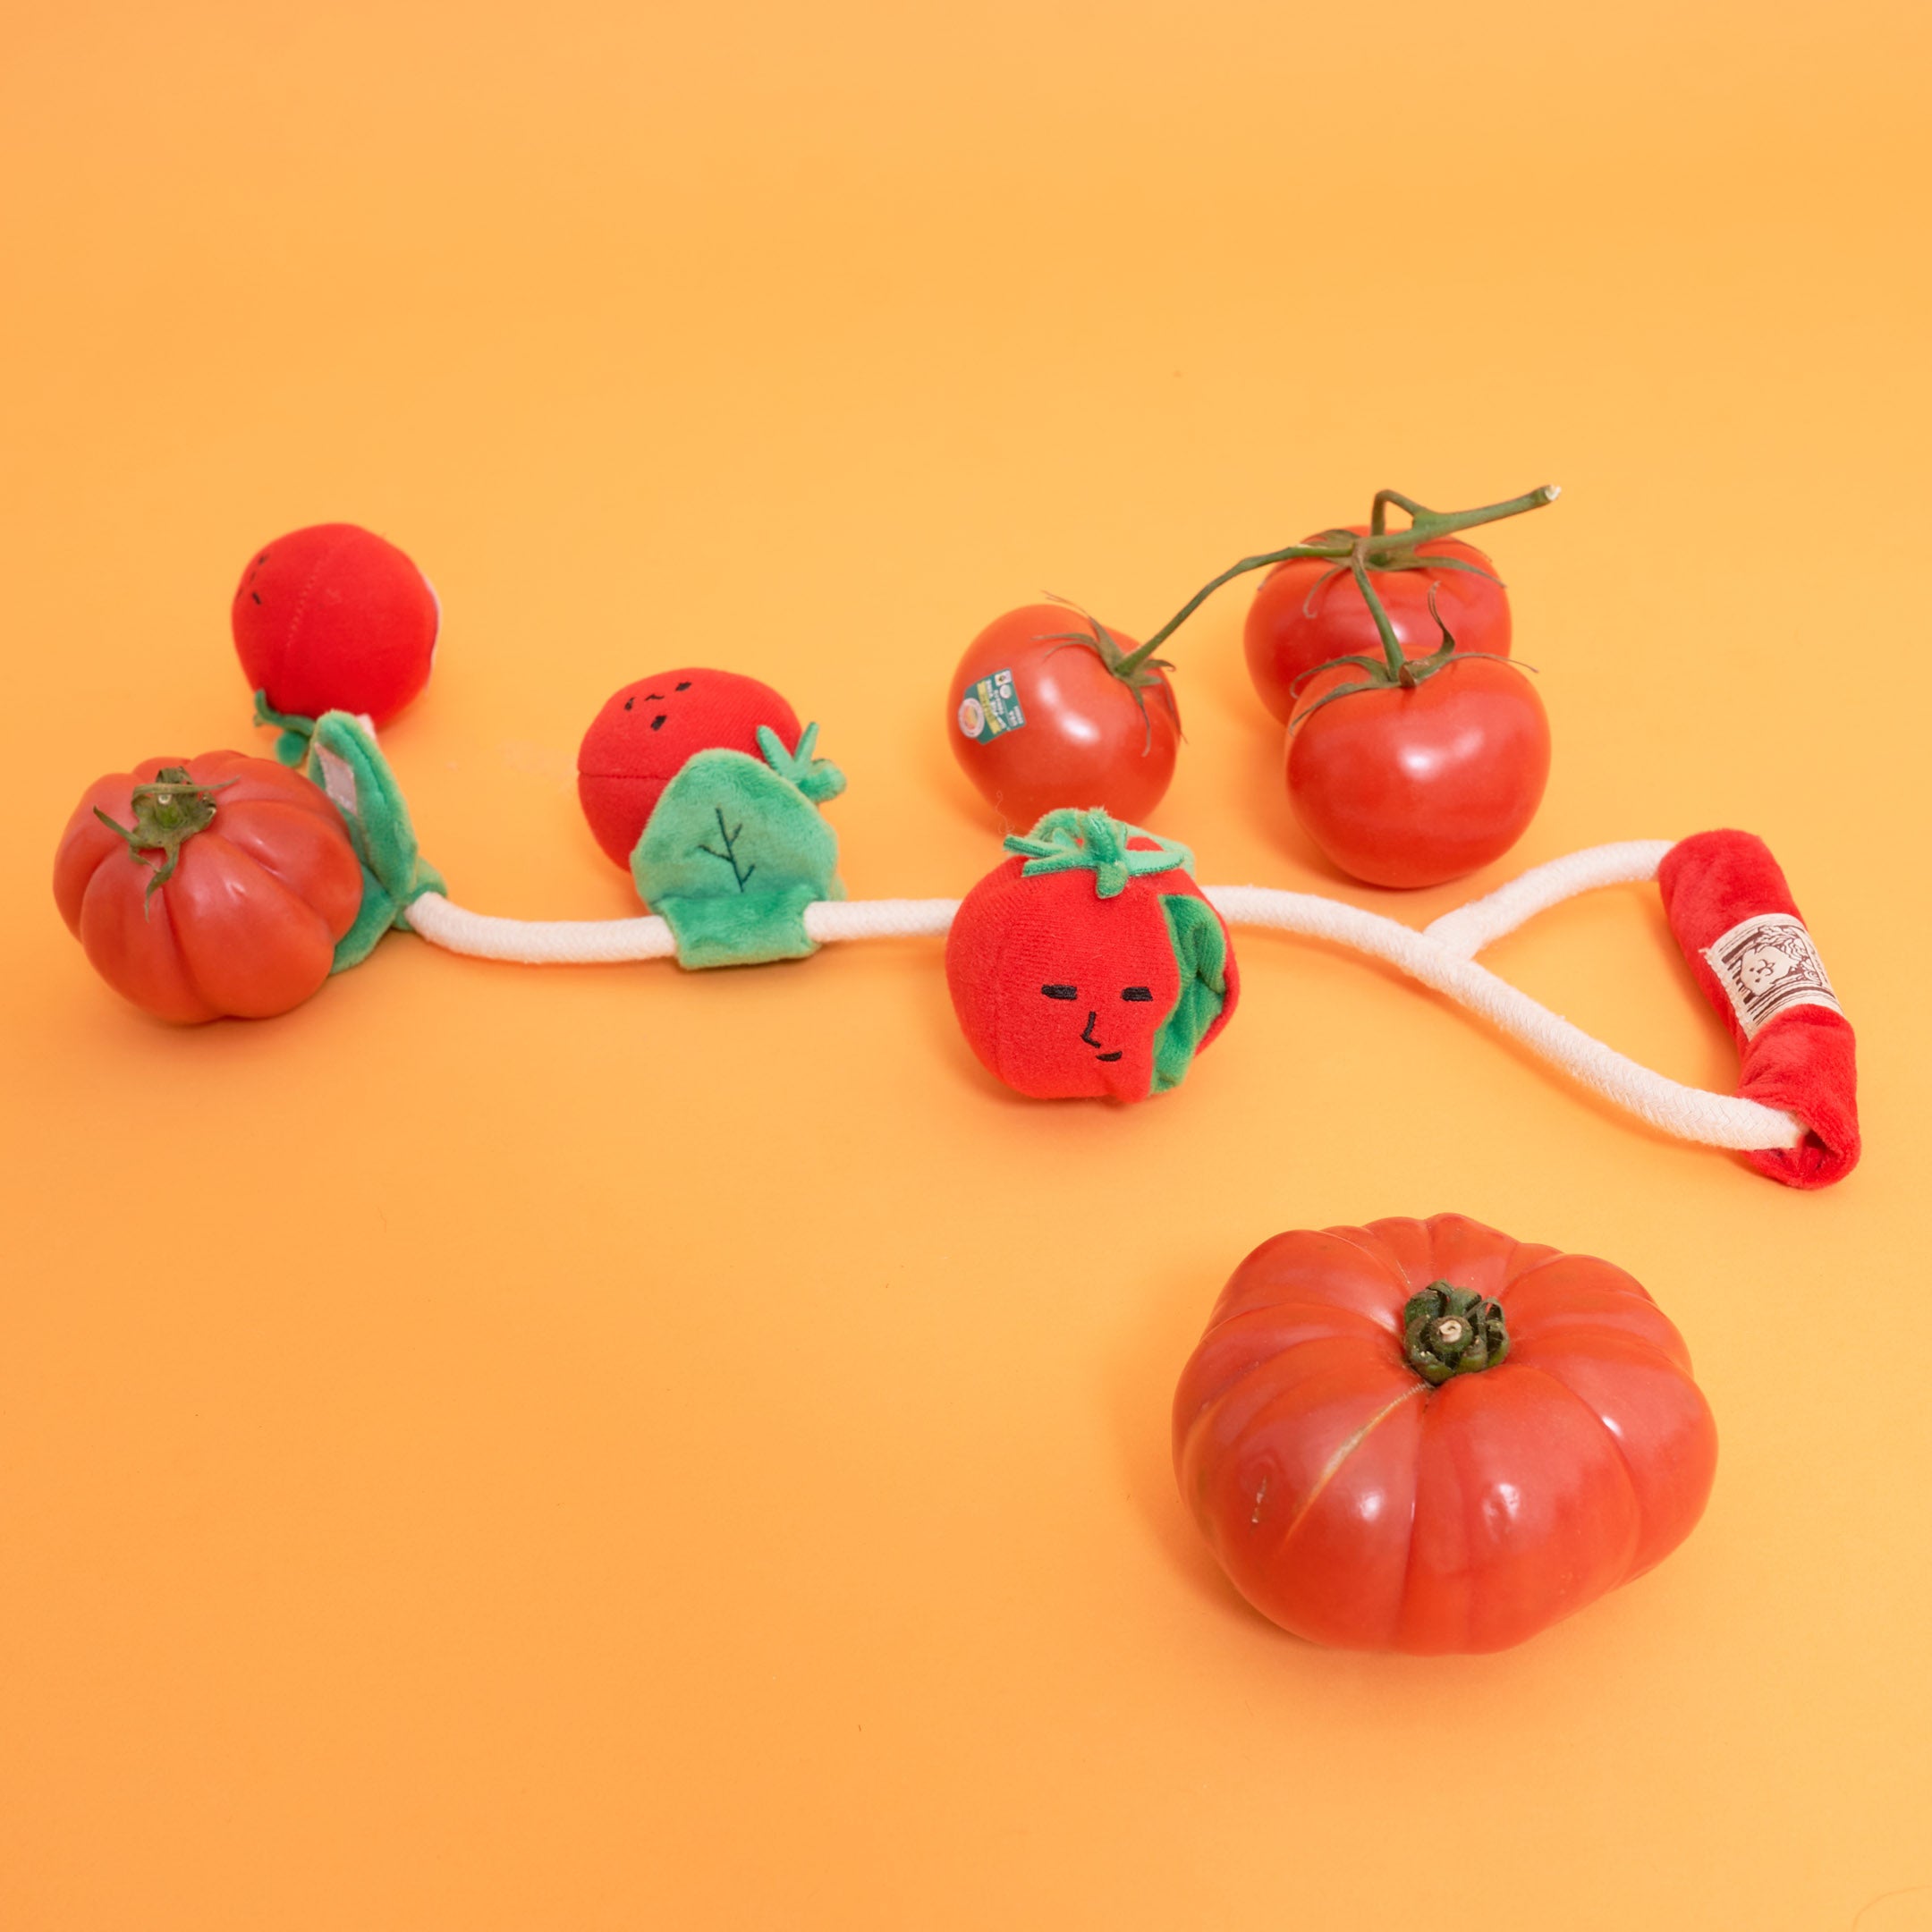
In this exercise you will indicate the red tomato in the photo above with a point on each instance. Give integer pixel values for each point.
(1410, 787)
(334, 618)
(1297, 620)
(1036, 722)
(640, 741)
(1357, 1503)
(230, 898)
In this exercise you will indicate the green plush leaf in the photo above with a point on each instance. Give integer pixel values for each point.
(736, 850)
(344, 761)
(1200, 951)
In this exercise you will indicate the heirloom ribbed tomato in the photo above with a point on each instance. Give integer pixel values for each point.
(1424, 1435)
(209, 885)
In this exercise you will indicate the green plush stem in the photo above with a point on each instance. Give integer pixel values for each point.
(292, 746)
(819, 779)
(1449, 1331)
(344, 761)
(1070, 840)
(168, 813)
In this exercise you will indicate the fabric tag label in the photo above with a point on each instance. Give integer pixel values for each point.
(1768, 964)
(991, 708)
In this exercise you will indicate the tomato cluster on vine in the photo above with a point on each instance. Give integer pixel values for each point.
(1415, 752)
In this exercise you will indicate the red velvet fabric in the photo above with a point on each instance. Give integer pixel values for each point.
(334, 618)
(1802, 1058)
(639, 742)
(1110, 964)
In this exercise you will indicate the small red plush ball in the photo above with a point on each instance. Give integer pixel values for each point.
(1064, 993)
(639, 742)
(333, 618)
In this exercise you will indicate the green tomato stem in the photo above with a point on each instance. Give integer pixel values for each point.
(1349, 551)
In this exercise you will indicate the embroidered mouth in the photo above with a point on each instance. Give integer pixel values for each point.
(1087, 1039)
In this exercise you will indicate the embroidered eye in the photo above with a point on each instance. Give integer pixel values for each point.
(1061, 991)
(630, 701)
(1138, 993)
(656, 723)
(685, 685)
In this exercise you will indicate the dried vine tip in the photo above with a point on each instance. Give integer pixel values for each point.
(1552, 491)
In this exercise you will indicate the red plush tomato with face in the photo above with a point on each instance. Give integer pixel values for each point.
(1088, 965)
(1049, 708)
(1424, 1435)
(209, 885)
(1413, 785)
(1310, 611)
(334, 618)
(639, 742)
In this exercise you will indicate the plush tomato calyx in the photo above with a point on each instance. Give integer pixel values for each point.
(1449, 1331)
(1378, 548)
(1070, 840)
(296, 730)
(168, 813)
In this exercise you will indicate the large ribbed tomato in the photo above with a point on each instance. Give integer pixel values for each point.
(1424, 1435)
(209, 885)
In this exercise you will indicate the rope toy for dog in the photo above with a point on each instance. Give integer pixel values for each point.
(1088, 963)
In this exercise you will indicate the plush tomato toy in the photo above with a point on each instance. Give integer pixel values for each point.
(1088, 963)
(333, 618)
(1424, 1435)
(1048, 707)
(209, 885)
(639, 742)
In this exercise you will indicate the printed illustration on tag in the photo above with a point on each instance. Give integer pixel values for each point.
(991, 708)
(1767, 965)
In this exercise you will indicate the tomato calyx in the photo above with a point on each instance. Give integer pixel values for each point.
(168, 812)
(1394, 671)
(1139, 669)
(1449, 1331)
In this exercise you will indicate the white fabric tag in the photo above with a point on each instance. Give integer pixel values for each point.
(337, 780)
(1768, 964)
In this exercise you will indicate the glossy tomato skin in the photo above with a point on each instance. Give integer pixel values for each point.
(1084, 742)
(247, 924)
(1357, 1507)
(1413, 787)
(1292, 627)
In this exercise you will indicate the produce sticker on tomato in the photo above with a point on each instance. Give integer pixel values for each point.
(991, 708)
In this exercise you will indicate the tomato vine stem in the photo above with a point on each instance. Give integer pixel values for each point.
(1380, 548)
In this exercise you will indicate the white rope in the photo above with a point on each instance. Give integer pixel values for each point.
(1692, 1113)
(539, 942)
(831, 919)
(1470, 928)
(1441, 956)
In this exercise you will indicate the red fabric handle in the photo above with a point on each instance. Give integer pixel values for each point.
(1734, 916)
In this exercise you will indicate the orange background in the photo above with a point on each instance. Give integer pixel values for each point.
(609, 1448)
